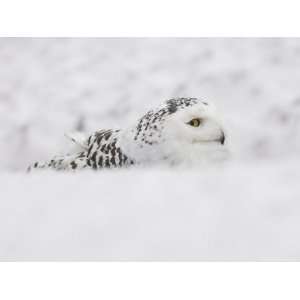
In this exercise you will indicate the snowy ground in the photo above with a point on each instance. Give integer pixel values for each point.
(248, 208)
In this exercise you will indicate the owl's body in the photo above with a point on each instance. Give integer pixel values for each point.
(165, 134)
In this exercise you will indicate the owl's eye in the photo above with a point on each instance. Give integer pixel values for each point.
(195, 122)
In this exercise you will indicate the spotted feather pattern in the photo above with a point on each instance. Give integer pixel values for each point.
(150, 126)
(103, 151)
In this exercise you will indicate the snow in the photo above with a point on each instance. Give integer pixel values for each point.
(246, 208)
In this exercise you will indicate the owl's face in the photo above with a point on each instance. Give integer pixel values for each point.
(197, 124)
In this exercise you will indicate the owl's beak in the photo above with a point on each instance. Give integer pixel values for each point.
(222, 138)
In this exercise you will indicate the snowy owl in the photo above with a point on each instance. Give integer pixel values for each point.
(180, 129)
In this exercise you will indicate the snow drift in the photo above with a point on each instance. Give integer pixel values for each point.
(247, 208)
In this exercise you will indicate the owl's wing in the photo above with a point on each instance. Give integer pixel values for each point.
(97, 151)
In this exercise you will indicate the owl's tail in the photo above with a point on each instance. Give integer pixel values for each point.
(75, 160)
(65, 162)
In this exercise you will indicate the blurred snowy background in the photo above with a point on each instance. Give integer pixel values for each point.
(246, 209)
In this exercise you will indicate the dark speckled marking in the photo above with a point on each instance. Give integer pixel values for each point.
(73, 165)
(93, 159)
(172, 107)
(107, 165)
(100, 162)
(113, 161)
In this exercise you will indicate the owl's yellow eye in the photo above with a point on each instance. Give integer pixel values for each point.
(195, 122)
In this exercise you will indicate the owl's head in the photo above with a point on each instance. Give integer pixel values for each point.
(193, 122)
(179, 127)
